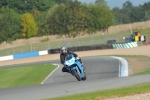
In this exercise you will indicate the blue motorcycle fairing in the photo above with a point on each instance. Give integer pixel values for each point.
(71, 63)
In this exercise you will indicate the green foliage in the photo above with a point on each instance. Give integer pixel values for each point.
(130, 13)
(64, 17)
(101, 16)
(42, 5)
(23, 6)
(100, 1)
(147, 15)
(29, 27)
(73, 18)
(62, 1)
(67, 18)
(77, 18)
(40, 19)
(56, 19)
(10, 24)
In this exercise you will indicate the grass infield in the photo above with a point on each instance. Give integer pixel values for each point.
(24, 76)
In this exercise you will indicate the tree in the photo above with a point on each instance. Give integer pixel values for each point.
(128, 4)
(62, 1)
(77, 18)
(117, 13)
(10, 24)
(101, 2)
(68, 19)
(56, 19)
(29, 27)
(40, 19)
(23, 6)
(137, 14)
(147, 16)
(101, 16)
(42, 5)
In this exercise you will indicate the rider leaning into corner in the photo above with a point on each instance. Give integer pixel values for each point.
(63, 54)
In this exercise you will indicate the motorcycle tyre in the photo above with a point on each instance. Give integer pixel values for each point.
(77, 75)
(84, 78)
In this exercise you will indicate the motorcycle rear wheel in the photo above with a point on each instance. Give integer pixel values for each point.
(77, 75)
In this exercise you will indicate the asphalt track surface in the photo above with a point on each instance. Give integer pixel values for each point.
(102, 73)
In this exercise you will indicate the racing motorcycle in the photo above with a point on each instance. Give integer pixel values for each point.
(75, 67)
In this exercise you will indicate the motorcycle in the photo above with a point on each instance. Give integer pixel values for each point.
(75, 67)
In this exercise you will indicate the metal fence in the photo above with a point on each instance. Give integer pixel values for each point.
(66, 41)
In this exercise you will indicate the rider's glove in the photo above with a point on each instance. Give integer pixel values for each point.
(77, 58)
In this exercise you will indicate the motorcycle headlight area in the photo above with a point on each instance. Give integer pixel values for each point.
(70, 62)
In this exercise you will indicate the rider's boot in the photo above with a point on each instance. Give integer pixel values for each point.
(65, 70)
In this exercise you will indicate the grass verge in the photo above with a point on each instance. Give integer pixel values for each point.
(24, 76)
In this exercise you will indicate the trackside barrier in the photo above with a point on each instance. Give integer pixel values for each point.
(54, 51)
(123, 67)
(10, 57)
(24, 55)
(125, 45)
(83, 48)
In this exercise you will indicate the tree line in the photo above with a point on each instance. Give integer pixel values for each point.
(129, 13)
(29, 18)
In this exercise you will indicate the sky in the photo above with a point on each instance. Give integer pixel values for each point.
(118, 3)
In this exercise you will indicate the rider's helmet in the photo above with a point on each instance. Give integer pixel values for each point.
(63, 50)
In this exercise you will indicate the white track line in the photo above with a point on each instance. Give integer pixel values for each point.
(51, 73)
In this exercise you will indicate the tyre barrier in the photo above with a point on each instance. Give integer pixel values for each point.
(82, 48)
(125, 45)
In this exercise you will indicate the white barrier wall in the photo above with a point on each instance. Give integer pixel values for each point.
(6, 58)
(24, 55)
(43, 52)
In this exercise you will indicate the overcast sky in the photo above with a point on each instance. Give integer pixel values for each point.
(118, 3)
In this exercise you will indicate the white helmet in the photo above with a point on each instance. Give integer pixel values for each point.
(62, 50)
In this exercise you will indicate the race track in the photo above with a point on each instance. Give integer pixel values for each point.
(102, 73)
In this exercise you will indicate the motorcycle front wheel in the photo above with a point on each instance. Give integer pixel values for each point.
(84, 78)
(77, 75)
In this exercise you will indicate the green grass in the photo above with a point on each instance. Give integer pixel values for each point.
(24, 76)
(130, 90)
(147, 71)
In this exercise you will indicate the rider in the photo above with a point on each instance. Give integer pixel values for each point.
(64, 53)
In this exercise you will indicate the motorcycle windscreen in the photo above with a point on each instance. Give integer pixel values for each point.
(69, 60)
